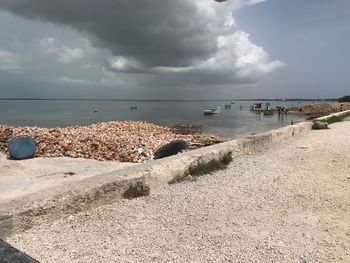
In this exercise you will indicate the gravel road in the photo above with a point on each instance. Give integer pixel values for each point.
(290, 203)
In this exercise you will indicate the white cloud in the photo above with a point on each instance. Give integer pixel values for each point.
(236, 58)
(64, 53)
(123, 64)
(75, 82)
(12, 62)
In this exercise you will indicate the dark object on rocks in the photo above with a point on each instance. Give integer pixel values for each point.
(9, 254)
(22, 147)
(171, 148)
(319, 125)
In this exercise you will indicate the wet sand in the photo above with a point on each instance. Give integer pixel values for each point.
(289, 203)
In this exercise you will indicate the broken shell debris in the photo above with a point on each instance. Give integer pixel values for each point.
(125, 141)
(322, 109)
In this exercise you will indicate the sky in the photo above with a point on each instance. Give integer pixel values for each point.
(184, 49)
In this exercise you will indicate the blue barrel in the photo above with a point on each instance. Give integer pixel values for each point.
(21, 147)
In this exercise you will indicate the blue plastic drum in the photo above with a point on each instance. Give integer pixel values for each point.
(22, 147)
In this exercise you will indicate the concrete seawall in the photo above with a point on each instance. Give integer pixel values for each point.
(337, 114)
(25, 211)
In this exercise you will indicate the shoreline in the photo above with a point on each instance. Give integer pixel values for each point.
(284, 202)
(128, 141)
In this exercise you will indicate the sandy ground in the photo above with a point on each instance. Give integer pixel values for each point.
(290, 203)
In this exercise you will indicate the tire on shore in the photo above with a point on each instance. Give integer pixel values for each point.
(171, 148)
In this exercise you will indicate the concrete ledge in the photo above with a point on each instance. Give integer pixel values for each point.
(337, 114)
(22, 213)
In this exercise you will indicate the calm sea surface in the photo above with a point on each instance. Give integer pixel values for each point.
(231, 123)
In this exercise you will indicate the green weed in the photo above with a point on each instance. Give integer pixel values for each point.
(204, 168)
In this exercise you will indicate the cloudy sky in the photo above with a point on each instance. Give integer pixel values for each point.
(183, 49)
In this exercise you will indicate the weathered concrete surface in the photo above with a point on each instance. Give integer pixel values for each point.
(20, 178)
(24, 211)
(324, 118)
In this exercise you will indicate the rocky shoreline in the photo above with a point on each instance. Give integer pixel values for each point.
(125, 141)
(321, 109)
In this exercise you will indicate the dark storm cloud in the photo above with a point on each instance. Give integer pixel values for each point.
(182, 41)
(156, 32)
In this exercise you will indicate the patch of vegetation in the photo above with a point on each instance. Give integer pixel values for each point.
(344, 99)
(338, 118)
(204, 168)
(137, 190)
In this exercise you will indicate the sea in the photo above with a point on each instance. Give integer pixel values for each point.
(237, 121)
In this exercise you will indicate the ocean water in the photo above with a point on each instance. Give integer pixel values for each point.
(231, 123)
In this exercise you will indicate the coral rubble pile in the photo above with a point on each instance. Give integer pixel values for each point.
(126, 141)
(322, 109)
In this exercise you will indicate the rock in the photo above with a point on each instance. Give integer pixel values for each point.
(319, 125)
(171, 148)
(22, 147)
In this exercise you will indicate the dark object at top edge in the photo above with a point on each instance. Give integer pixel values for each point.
(9, 254)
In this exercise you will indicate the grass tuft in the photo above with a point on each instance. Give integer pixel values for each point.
(137, 190)
(204, 168)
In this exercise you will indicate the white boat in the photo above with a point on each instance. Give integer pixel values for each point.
(212, 111)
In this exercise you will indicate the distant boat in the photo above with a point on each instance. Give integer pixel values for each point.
(256, 107)
(133, 107)
(212, 111)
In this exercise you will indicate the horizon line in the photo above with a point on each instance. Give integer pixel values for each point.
(244, 99)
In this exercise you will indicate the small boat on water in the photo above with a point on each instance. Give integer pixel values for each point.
(212, 111)
(133, 107)
(256, 107)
